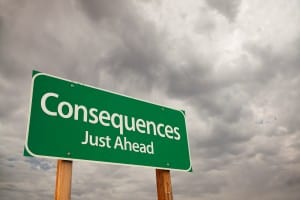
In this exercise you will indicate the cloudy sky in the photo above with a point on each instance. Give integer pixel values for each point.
(233, 65)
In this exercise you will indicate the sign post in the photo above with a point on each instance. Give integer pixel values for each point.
(164, 185)
(63, 180)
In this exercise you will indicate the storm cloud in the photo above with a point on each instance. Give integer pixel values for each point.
(233, 66)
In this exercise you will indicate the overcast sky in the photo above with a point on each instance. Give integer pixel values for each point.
(233, 65)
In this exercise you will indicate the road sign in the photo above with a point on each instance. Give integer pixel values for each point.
(73, 121)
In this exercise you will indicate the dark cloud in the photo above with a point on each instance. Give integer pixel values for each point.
(293, 181)
(228, 8)
(139, 47)
(242, 113)
(139, 55)
(190, 80)
(275, 68)
(40, 164)
(204, 184)
(103, 10)
(273, 63)
(224, 139)
(209, 95)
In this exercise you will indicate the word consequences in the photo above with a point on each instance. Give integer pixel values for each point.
(95, 116)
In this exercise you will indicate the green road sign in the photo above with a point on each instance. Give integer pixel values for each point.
(72, 121)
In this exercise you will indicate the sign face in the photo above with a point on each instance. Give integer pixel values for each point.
(72, 121)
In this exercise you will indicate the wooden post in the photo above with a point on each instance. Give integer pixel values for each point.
(164, 185)
(63, 180)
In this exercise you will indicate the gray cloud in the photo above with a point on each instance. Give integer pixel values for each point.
(102, 10)
(227, 8)
(241, 104)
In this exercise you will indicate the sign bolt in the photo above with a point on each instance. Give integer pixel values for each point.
(68, 153)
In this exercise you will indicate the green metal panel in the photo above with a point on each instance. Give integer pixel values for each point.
(73, 121)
